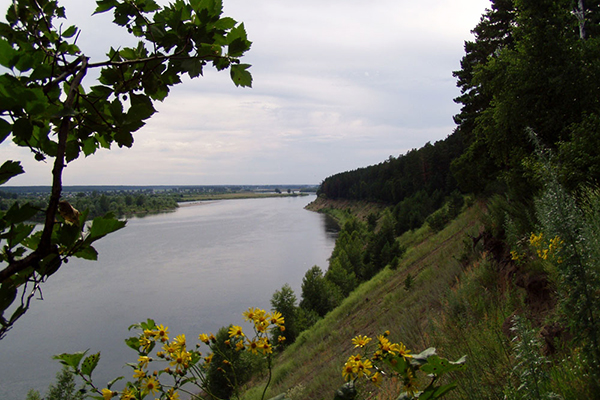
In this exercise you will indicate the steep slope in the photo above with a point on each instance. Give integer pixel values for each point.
(313, 364)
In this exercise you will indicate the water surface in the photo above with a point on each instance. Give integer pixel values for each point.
(193, 270)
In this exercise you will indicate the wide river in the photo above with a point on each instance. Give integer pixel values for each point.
(193, 270)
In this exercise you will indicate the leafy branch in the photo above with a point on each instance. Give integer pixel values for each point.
(46, 107)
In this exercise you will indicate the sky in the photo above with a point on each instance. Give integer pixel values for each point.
(337, 85)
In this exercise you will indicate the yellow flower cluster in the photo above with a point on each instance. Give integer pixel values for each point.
(184, 363)
(545, 252)
(263, 323)
(544, 249)
(358, 366)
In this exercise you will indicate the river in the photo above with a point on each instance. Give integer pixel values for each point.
(194, 270)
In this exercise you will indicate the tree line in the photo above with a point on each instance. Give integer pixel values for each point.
(531, 77)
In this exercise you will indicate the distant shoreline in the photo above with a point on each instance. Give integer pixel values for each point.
(198, 199)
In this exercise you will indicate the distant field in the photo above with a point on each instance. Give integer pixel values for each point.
(236, 195)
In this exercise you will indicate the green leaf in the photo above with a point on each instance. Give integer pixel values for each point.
(141, 108)
(70, 360)
(5, 129)
(18, 233)
(104, 5)
(18, 312)
(7, 53)
(89, 146)
(72, 151)
(68, 234)
(70, 32)
(437, 366)
(240, 75)
(8, 293)
(133, 342)
(149, 6)
(23, 129)
(87, 253)
(433, 392)
(109, 384)
(9, 170)
(225, 23)
(397, 363)
(238, 41)
(193, 67)
(421, 358)
(89, 364)
(17, 214)
(102, 226)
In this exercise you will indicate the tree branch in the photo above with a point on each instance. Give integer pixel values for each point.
(45, 247)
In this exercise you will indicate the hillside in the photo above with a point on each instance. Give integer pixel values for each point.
(463, 291)
(412, 315)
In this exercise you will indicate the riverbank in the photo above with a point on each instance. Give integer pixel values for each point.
(358, 209)
(186, 200)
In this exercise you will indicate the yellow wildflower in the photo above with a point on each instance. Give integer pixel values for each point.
(179, 342)
(162, 333)
(208, 359)
(263, 343)
(377, 378)
(204, 338)
(143, 361)
(139, 374)
(249, 315)
(252, 346)
(148, 333)
(536, 240)
(239, 345)
(235, 331)
(277, 319)
(107, 394)
(410, 383)
(172, 394)
(261, 327)
(514, 255)
(350, 370)
(403, 351)
(181, 360)
(150, 385)
(363, 367)
(127, 394)
(145, 343)
(360, 341)
(170, 348)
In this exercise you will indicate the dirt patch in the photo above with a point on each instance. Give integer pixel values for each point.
(360, 209)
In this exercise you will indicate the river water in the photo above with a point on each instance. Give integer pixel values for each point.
(194, 270)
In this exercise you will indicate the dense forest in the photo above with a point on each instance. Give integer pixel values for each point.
(530, 80)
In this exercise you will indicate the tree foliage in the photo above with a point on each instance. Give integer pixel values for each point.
(529, 67)
(47, 107)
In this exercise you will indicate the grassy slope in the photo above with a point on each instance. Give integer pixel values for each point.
(315, 360)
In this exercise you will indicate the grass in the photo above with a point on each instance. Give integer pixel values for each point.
(316, 359)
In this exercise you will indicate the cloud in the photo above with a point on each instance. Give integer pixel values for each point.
(338, 85)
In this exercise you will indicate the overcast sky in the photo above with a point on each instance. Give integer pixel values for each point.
(338, 85)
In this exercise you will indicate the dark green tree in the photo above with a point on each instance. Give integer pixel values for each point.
(474, 169)
(284, 301)
(318, 294)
